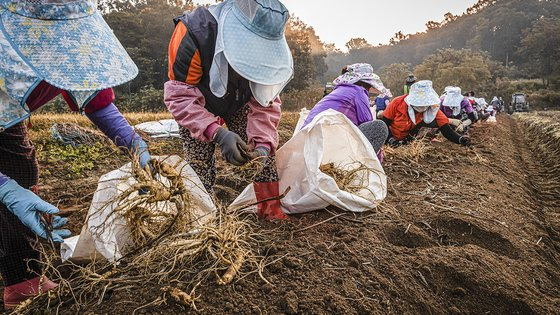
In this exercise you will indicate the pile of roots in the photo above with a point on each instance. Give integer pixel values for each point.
(351, 178)
(170, 246)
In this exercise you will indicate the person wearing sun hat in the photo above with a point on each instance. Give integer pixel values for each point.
(48, 48)
(454, 105)
(351, 97)
(406, 114)
(229, 63)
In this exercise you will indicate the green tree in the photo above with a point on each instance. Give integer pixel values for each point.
(357, 43)
(308, 53)
(464, 68)
(540, 48)
(394, 76)
(145, 28)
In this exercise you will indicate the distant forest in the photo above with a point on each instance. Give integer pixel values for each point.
(496, 47)
(520, 34)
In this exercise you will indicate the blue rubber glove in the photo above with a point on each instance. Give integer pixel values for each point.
(28, 207)
(140, 148)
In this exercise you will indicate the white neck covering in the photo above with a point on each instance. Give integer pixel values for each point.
(428, 116)
(219, 68)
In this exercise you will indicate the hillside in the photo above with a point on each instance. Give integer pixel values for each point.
(493, 26)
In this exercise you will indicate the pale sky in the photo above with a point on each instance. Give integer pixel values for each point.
(336, 21)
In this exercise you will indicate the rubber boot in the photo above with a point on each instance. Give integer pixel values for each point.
(271, 209)
(18, 293)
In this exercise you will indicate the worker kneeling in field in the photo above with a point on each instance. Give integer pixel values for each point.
(351, 97)
(455, 106)
(229, 62)
(408, 113)
(47, 48)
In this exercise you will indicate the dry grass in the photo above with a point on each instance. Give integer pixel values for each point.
(412, 152)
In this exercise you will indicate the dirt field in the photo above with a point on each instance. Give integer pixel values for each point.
(462, 231)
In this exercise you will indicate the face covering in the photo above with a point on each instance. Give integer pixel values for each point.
(420, 109)
(266, 94)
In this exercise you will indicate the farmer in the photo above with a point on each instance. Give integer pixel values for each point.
(408, 113)
(410, 80)
(381, 103)
(49, 48)
(229, 62)
(351, 97)
(455, 106)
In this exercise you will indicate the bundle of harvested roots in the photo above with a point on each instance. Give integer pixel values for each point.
(352, 178)
(169, 245)
(155, 205)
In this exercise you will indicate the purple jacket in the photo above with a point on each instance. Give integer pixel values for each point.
(349, 99)
(465, 107)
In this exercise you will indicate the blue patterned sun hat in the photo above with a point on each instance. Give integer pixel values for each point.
(66, 43)
(422, 94)
(254, 41)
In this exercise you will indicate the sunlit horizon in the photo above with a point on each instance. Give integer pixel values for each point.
(376, 21)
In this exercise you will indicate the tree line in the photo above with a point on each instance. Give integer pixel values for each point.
(489, 48)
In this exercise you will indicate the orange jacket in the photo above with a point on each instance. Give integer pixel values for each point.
(401, 125)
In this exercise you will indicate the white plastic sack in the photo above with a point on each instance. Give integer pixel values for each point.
(330, 138)
(492, 119)
(166, 128)
(106, 234)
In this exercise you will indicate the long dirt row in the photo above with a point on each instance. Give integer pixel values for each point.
(462, 231)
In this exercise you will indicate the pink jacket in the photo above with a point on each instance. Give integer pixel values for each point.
(187, 105)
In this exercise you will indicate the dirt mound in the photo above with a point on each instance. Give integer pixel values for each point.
(461, 231)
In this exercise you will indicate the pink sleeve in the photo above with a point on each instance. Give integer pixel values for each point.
(186, 103)
(262, 124)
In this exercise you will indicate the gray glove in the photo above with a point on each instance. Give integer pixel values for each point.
(232, 146)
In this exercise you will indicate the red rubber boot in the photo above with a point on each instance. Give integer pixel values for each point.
(18, 293)
(271, 209)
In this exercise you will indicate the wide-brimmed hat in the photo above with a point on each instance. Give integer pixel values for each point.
(67, 43)
(453, 97)
(255, 43)
(422, 94)
(361, 72)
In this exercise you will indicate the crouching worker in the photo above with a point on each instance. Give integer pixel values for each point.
(35, 67)
(229, 62)
(351, 97)
(455, 106)
(407, 114)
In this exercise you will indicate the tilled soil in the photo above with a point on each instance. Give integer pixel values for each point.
(462, 231)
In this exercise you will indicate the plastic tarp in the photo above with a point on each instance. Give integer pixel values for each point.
(167, 128)
(330, 138)
(105, 234)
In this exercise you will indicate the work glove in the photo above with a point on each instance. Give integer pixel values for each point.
(394, 142)
(233, 148)
(464, 140)
(29, 208)
(259, 152)
(140, 149)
